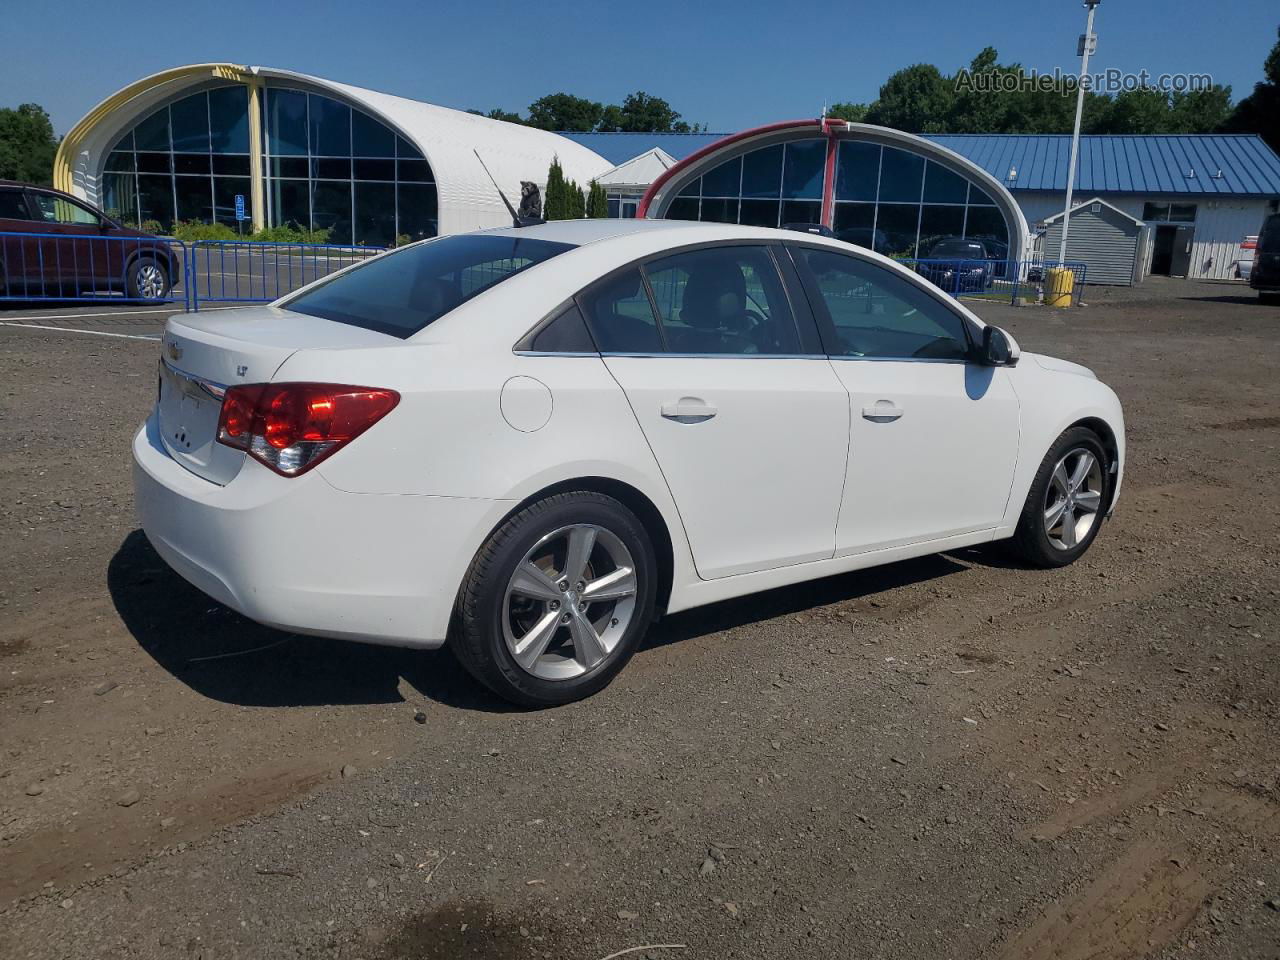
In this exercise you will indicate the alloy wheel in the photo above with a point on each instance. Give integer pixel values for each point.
(150, 281)
(569, 602)
(1073, 502)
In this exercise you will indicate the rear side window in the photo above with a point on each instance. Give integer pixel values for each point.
(13, 206)
(880, 315)
(407, 290)
(621, 317)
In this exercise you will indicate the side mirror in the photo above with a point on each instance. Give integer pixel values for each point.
(998, 349)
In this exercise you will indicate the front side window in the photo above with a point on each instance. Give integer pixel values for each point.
(53, 209)
(877, 314)
(406, 290)
(621, 316)
(725, 300)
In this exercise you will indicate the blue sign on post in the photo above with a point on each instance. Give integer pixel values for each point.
(240, 207)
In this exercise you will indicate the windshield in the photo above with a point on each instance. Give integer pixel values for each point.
(952, 248)
(405, 291)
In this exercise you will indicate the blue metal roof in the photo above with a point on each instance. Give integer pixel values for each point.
(1165, 164)
(1233, 165)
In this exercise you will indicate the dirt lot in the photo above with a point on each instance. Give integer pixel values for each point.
(952, 757)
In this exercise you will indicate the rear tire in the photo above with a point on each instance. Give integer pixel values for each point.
(1270, 299)
(557, 600)
(1067, 501)
(147, 279)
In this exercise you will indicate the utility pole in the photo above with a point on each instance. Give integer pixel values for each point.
(1088, 44)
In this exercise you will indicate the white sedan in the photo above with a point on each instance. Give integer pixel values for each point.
(531, 442)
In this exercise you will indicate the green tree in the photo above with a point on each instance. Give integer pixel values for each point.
(1199, 111)
(564, 111)
(27, 144)
(853, 112)
(575, 204)
(642, 113)
(1260, 111)
(597, 202)
(497, 113)
(555, 199)
(917, 99)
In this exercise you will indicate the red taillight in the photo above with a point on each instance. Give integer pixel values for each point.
(291, 427)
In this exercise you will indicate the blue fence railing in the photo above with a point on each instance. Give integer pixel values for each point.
(254, 272)
(1013, 280)
(74, 262)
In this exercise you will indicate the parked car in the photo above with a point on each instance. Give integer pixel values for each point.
(1265, 276)
(959, 265)
(867, 237)
(531, 442)
(53, 244)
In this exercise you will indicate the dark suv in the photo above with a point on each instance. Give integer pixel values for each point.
(1266, 261)
(960, 265)
(53, 245)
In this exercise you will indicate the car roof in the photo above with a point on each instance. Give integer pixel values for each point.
(27, 186)
(581, 232)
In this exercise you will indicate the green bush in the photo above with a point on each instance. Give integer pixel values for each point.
(191, 231)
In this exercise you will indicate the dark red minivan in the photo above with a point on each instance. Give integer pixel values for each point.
(54, 245)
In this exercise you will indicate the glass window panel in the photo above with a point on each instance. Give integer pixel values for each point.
(153, 163)
(897, 227)
(13, 206)
(416, 206)
(943, 186)
(190, 123)
(375, 169)
(879, 314)
(620, 316)
(376, 214)
(120, 197)
(370, 138)
(901, 176)
(567, 333)
(760, 213)
(1155, 211)
(229, 120)
(225, 190)
(613, 207)
(724, 181)
(683, 208)
(762, 172)
(155, 199)
(692, 189)
(286, 122)
(726, 300)
(291, 203)
(153, 132)
(855, 223)
(804, 169)
(629, 208)
(230, 164)
(939, 224)
(414, 170)
(801, 211)
(290, 167)
(126, 142)
(54, 209)
(194, 198)
(121, 161)
(857, 171)
(191, 163)
(330, 124)
(405, 149)
(1182, 213)
(987, 223)
(978, 198)
(331, 168)
(331, 209)
(720, 211)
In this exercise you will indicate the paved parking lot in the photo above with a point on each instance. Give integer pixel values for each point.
(951, 757)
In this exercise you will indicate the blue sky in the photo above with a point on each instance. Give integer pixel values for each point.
(728, 64)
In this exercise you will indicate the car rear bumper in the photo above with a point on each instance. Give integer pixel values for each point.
(301, 555)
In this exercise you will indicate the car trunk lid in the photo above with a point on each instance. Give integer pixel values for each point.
(204, 354)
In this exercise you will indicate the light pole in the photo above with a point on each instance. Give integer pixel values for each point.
(1088, 44)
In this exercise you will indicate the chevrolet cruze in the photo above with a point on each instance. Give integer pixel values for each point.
(528, 443)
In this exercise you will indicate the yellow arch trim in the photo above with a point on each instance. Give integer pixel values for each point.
(71, 143)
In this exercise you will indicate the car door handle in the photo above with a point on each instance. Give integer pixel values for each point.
(884, 411)
(688, 410)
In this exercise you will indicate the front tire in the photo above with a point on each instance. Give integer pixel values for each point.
(557, 600)
(147, 279)
(1065, 506)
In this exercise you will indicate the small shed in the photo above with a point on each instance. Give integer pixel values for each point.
(1108, 241)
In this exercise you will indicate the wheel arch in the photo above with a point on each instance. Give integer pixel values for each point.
(1112, 446)
(633, 499)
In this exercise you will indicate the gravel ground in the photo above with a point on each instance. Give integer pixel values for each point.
(951, 757)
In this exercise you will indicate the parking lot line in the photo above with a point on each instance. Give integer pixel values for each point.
(96, 333)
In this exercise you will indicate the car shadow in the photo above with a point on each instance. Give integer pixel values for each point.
(226, 657)
(1250, 301)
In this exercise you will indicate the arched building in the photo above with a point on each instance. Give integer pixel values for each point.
(184, 143)
(892, 191)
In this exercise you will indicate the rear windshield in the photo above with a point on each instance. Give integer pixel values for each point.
(403, 292)
(1269, 242)
(957, 249)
